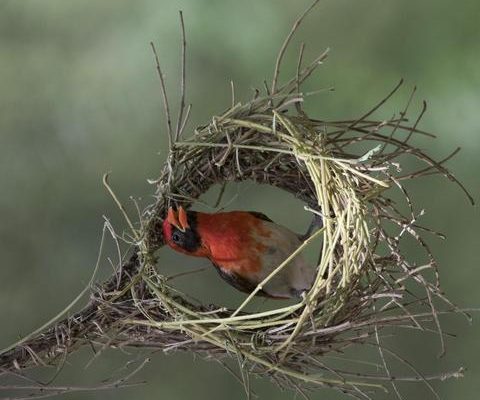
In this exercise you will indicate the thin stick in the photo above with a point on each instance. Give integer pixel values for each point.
(276, 270)
(384, 361)
(281, 53)
(232, 88)
(120, 206)
(298, 105)
(402, 116)
(373, 109)
(185, 120)
(180, 121)
(419, 118)
(69, 307)
(164, 96)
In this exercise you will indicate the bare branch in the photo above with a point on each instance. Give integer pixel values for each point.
(281, 53)
(180, 121)
(164, 96)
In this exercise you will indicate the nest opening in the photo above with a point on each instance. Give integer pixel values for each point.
(198, 278)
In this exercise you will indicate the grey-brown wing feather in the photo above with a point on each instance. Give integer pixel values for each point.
(238, 282)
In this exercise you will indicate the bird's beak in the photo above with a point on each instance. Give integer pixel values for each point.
(172, 218)
(181, 222)
(182, 216)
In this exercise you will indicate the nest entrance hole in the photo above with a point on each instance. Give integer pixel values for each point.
(198, 277)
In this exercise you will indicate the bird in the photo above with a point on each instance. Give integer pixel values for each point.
(244, 247)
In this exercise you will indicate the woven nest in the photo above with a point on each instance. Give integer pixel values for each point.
(347, 172)
(363, 275)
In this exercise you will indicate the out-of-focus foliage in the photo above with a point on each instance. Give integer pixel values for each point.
(79, 96)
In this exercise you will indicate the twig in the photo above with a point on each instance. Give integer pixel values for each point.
(281, 53)
(180, 121)
(164, 96)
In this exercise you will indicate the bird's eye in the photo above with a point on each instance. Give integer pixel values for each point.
(176, 237)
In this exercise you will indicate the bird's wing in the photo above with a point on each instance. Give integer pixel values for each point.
(237, 281)
(260, 215)
(295, 277)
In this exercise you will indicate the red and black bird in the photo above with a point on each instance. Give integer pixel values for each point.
(245, 247)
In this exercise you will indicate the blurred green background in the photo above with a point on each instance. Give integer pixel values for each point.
(79, 96)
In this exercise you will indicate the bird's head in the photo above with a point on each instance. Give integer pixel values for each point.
(180, 233)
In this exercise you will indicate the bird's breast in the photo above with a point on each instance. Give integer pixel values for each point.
(235, 241)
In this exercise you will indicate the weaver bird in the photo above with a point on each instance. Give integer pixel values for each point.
(245, 247)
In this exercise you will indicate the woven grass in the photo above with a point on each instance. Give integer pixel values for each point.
(347, 172)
